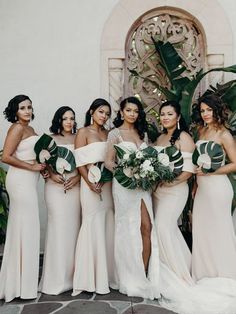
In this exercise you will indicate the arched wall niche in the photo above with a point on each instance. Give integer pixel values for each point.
(208, 15)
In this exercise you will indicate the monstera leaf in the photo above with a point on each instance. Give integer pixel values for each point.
(99, 173)
(124, 180)
(172, 157)
(65, 161)
(60, 158)
(46, 149)
(209, 156)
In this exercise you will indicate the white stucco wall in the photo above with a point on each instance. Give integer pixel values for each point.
(50, 50)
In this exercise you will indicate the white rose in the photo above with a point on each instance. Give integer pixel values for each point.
(164, 159)
(44, 155)
(150, 169)
(126, 156)
(139, 154)
(146, 164)
(204, 161)
(143, 174)
(62, 165)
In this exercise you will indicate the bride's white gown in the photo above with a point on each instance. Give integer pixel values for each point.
(132, 279)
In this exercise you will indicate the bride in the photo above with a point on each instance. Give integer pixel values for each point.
(136, 249)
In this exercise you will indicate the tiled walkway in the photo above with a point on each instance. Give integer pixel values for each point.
(85, 303)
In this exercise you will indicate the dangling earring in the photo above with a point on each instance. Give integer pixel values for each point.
(178, 126)
(161, 128)
(91, 120)
(204, 124)
(122, 117)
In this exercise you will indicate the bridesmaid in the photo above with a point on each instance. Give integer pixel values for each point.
(20, 266)
(214, 241)
(94, 261)
(63, 212)
(136, 249)
(170, 198)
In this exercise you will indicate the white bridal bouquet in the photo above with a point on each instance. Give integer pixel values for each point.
(146, 167)
(60, 159)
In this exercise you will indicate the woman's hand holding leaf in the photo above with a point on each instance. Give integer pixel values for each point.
(58, 178)
(72, 181)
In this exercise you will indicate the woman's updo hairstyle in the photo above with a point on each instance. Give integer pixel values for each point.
(13, 106)
(182, 124)
(99, 102)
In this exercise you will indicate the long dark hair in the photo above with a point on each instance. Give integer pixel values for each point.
(140, 124)
(182, 124)
(218, 106)
(94, 106)
(13, 106)
(56, 127)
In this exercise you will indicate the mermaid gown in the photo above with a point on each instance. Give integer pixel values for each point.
(94, 258)
(204, 296)
(61, 237)
(20, 265)
(132, 279)
(214, 240)
(169, 203)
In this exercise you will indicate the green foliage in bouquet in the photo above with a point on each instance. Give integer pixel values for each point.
(209, 156)
(141, 169)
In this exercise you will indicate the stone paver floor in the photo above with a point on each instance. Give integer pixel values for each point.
(85, 303)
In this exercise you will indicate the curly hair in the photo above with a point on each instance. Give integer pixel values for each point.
(13, 106)
(140, 124)
(182, 124)
(56, 127)
(94, 106)
(219, 108)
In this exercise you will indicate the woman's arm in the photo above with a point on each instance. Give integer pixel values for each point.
(13, 138)
(187, 145)
(110, 158)
(230, 148)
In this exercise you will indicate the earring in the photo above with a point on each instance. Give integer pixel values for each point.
(122, 117)
(91, 120)
(204, 124)
(178, 126)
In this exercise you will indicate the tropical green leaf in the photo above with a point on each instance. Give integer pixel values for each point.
(232, 122)
(45, 144)
(175, 158)
(209, 156)
(150, 151)
(106, 175)
(188, 91)
(120, 152)
(125, 181)
(64, 154)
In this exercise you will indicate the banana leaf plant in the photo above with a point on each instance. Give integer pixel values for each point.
(182, 88)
